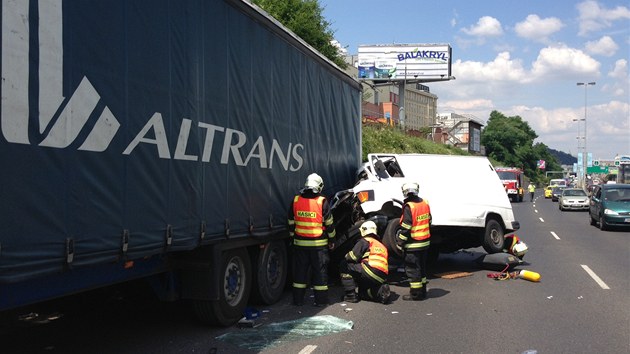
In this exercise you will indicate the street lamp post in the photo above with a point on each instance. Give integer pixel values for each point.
(585, 155)
(580, 166)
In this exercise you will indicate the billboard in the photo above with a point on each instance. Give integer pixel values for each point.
(397, 62)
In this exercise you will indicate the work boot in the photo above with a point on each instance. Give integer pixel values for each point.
(423, 293)
(414, 295)
(298, 296)
(384, 293)
(351, 296)
(410, 298)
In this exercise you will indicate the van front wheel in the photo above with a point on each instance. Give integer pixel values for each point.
(493, 238)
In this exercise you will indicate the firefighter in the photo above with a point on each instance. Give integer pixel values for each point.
(514, 246)
(414, 238)
(366, 265)
(311, 227)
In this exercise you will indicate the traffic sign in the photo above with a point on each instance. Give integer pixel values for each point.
(597, 169)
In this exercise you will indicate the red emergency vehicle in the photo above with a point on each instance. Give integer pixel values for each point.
(512, 179)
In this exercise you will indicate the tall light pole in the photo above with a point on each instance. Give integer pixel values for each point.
(579, 165)
(585, 155)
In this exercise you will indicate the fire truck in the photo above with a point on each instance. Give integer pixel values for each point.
(512, 179)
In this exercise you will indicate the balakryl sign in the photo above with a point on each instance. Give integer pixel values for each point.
(427, 62)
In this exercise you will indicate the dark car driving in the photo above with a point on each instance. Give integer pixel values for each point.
(556, 192)
(610, 206)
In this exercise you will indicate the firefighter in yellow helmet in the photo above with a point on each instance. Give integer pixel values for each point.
(366, 265)
(414, 239)
(311, 227)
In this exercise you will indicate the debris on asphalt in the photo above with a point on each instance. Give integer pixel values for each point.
(453, 275)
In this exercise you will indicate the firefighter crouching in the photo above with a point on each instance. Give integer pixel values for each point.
(311, 227)
(414, 239)
(366, 265)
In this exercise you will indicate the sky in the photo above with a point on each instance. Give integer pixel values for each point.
(521, 58)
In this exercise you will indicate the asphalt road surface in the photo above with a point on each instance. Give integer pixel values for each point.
(581, 305)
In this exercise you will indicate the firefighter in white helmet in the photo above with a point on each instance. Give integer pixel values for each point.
(414, 238)
(366, 265)
(311, 227)
(515, 246)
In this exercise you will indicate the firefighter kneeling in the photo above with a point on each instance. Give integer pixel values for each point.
(366, 265)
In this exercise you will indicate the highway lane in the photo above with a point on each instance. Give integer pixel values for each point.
(567, 312)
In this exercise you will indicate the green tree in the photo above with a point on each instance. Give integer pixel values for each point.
(305, 19)
(510, 140)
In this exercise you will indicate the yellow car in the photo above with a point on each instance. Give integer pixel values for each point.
(548, 191)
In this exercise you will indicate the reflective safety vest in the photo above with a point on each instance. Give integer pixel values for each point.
(308, 217)
(420, 233)
(376, 257)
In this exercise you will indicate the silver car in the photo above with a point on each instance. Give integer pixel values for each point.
(573, 199)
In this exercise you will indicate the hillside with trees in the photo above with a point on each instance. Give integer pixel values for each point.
(511, 141)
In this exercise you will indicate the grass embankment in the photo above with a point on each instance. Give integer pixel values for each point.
(382, 139)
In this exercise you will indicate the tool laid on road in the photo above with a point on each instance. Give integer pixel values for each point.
(522, 274)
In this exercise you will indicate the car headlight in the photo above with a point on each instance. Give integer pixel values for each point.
(610, 212)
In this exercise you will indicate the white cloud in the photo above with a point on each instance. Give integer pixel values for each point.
(454, 19)
(502, 68)
(561, 61)
(537, 29)
(460, 105)
(605, 46)
(620, 71)
(486, 27)
(593, 17)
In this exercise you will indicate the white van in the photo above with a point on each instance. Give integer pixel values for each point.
(558, 182)
(468, 203)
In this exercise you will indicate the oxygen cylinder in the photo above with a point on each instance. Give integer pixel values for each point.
(529, 275)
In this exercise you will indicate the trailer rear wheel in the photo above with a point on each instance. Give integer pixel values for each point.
(493, 238)
(271, 272)
(234, 287)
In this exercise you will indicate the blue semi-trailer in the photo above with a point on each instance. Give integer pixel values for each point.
(163, 140)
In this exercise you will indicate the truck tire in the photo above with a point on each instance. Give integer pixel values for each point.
(389, 238)
(235, 285)
(493, 237)
(271, 273)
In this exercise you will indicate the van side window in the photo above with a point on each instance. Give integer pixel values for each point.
(381, 170)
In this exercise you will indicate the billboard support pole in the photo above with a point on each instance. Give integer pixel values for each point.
(401, 97)
(401, 105)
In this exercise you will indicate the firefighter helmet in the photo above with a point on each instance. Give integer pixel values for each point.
(519, 249)
(314, 182)
(368, 228)
(410, 188)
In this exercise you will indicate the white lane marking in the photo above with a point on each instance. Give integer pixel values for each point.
(308, 349)
(541, 220)
(536, 211)
(554, 235)
(597, 279)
